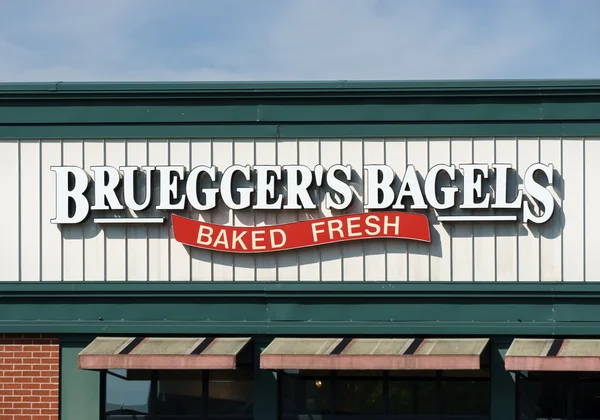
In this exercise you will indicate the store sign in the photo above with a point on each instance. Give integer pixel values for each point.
(296, 187)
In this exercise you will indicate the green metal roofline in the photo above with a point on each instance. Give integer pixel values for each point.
(314, 88)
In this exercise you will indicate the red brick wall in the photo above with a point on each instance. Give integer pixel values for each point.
(29, 371)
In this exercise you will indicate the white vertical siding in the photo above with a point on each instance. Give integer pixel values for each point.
(561, 250)
(10, 245)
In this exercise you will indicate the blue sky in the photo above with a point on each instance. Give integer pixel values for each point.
(145, 40)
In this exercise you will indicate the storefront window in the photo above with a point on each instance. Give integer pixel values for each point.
(127, 394)
(179, 395)
(569, 396)
(342, 395)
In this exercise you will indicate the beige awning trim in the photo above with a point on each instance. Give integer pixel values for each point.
(554, 354)
(162, 353)
(373, 353)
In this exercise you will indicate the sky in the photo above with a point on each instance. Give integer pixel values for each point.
(233, 40)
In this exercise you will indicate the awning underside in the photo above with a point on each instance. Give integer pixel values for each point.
(576, 355)
(162, 353)
(373, 353)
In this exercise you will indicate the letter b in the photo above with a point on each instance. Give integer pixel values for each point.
(64, 195)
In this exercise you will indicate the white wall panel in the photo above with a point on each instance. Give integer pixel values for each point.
(116, 246)
(137, 235)
(30, 210)
(550, 232)
(529, 234)
(10, 245)
(563, 249)
(94, 242)
(441, 241)
(374, 249)
(592, 206)
(506, 233)
(72, 249)
(158, 235)
(396, 250)
(573, 208)
(287, 261)
(51, 239)
(462, 233)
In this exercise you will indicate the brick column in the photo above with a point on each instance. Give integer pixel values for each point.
(29, 373)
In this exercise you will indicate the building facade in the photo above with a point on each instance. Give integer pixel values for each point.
(300, 250)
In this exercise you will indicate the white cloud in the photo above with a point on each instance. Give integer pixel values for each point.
(75, 40)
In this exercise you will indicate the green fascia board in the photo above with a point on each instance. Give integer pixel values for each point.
(582, 290)
(269, 131)
(212, 112)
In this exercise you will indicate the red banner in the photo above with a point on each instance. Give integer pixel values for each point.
(306, 233)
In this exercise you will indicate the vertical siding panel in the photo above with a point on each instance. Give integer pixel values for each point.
(396, 250)
(137, 236)
(440, 247)
(30, 210)
(353, 252)
(10, 245)
(418, 253)
(72, 257)
(51, 237)
(222, 215)
(462, 232)
(551, 246)
(93, 232)
(374, 249)
(180, 257)
(592, 205)
(158, 235)
(201, 258)
(287, 261)
(266, 264)
(245, 265)
(506, 233)
(309, 258)
(529, 237)
(331, 254)
(116, 249)
(484, 244)
(574, 232)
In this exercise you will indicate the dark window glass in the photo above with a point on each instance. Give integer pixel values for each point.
(126, 396)
(179, 394)
(230, 394)
(302, 396)
(358, 396)
(465, 398)
(542, 397)
(412, 398)
(586, 400)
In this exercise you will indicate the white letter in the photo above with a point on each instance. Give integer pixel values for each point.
(227, 187)
(299, 179)
(386, 225)
(168, 187)
(373, 225)
(410, 187)
(275, 245)
(106, 180)
(374, 185)
(64, 194)
(129, 187)
(191, 188)
(448, 192)
(501, 187)
(256, 240)
(352, 226)
(316, 231)
(472, 186)
(265, 187)
(538, 193)
(338, 186)
(238, 238)
(207, 235)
